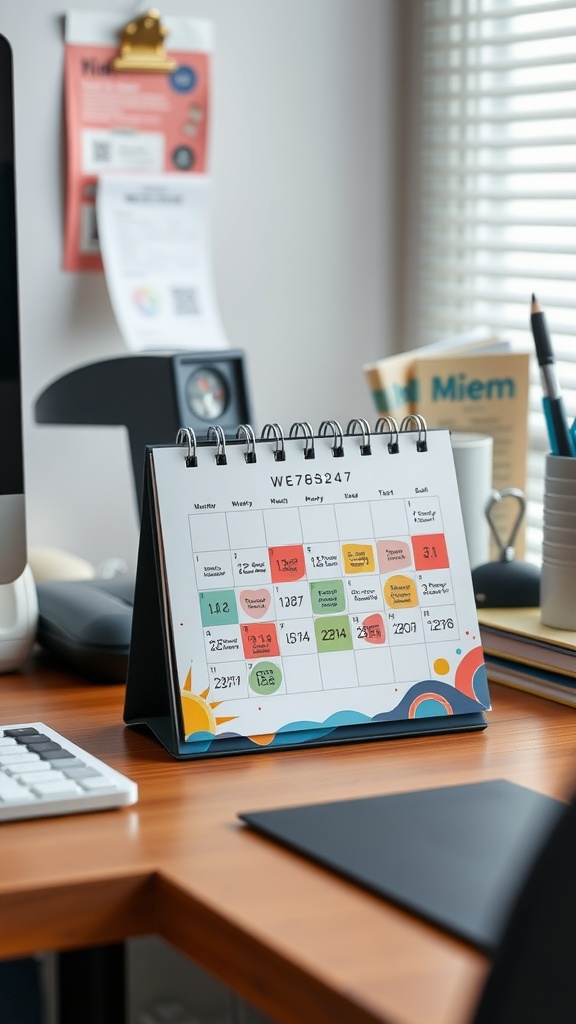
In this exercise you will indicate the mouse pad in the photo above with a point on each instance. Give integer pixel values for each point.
(456, 856)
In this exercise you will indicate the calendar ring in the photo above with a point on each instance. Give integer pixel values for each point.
(365, 447)
(274, 430)
(247, 431)
(307, 434)
(417, 422)
(334, 426)
(218, 433)
(389, 425)
(187, 436)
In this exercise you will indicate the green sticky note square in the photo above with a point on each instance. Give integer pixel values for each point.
(333, 634)
(327, 597)
(218, 608)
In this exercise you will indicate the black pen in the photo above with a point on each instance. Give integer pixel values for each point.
(561, 441)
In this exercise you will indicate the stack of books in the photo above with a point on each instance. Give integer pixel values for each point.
(519, 651)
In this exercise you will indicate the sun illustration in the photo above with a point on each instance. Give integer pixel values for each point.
(197, 712)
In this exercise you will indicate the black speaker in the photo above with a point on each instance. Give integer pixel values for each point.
(153, 395)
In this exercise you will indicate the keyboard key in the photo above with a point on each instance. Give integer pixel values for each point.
(22, 731)
(42, 745)
(26, 767)
(18, 757)
(55, 753)
(100, 783)
(28, 738)
(52, 788)
(29, 778)
(81, 772)
(12, 792)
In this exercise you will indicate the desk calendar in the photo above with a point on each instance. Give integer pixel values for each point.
(306, 589)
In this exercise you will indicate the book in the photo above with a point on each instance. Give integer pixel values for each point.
(539, 682)
(518, 635)
(393, 382)
(472, 383)
(302, 589)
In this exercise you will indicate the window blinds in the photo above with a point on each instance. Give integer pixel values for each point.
(496, 185)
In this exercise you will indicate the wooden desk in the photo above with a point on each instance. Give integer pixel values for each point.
(293, 939)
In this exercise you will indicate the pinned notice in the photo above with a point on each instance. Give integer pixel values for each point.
(150, 117)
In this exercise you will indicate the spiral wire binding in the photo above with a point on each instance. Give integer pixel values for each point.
(389, 425)
(307, 434)
(187, 436)
(417, 422)
(334, 426)
(275, 430)
(247, 431)
(365, 447)
(302, 429)
(218, 433)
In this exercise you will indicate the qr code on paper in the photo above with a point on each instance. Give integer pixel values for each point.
(101, 151)
(185, 302)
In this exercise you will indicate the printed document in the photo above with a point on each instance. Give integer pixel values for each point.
(154, 241)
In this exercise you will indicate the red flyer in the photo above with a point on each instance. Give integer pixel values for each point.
(129, 122)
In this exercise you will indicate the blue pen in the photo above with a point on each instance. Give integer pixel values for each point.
(561, 438)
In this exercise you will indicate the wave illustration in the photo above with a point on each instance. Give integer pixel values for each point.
(354, 724)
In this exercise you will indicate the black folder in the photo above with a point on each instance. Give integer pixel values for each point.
(456, 856)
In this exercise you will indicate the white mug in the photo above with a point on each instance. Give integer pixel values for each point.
(473, 463)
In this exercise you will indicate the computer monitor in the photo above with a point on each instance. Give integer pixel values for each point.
(12, 511)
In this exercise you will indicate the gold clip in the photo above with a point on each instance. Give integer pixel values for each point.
(142, 45)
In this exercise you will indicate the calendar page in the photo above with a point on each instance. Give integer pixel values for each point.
(325, 589)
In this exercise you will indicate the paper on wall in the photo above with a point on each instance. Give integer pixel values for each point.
(154, 240)
(128, 122)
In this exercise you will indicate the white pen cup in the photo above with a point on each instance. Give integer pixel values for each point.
(558, 577)
(473, 463)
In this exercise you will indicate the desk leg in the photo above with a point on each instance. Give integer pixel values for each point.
(92, 986)
(20, 991)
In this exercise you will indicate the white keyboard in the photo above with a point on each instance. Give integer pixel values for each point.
(42, 773)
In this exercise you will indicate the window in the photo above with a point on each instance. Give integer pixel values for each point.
(495, 185)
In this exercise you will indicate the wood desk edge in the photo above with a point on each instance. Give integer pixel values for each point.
(269, 969)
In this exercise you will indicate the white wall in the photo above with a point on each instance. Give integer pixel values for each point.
(302, 162)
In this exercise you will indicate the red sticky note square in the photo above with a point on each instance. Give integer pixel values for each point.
(287, 563)
(430, 551)
(260, 640)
